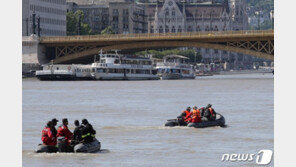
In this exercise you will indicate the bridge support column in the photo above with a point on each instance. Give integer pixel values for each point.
(33, 54)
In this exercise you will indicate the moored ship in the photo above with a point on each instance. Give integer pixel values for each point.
(175, 67)
(123, 67)
(64, 72)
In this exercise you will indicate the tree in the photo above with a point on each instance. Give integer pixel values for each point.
(190, 53)
(107, 30)
(73, 21)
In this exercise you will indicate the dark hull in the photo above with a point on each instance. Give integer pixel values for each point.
(62, 78)
(55, 77)
(88, 147)
(79, 148)
(46, 149)
(220, 121)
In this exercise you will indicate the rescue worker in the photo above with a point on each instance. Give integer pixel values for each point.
(64, 137)
(87, 131)
(53, 129)
(196, 115)
(210, 113)
(186, 115)
(76, 138)
(202, 111)
(48, 137)
(63, 131)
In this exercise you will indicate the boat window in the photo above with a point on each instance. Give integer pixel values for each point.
(116, 61)
(101, 70)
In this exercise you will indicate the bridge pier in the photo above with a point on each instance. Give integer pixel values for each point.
(33, 54)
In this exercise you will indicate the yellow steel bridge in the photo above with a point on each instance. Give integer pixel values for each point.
(67, 49)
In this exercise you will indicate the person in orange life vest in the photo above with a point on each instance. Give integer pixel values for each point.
(186, 115)
(196, 115)
(48, 138)
(63, 131)
(210, 113)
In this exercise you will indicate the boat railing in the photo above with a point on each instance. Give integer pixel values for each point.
(179, 65)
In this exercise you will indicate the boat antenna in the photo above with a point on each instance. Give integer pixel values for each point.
(101, 52)
(95, 58)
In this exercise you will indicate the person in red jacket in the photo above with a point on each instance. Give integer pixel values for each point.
(63, 131)
(48, 137)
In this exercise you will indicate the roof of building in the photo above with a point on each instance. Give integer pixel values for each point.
(204, 9)
(96, 2)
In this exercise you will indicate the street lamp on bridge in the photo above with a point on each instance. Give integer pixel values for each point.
(258, 14)
(272, 18)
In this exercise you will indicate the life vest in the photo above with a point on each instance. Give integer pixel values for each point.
(47, 137)
(196, 116)
(45, 134)
(63, 131)
(187, 116)
(186, 112)
(211, 111)
(195, 113)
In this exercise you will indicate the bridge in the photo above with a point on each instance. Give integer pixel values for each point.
(71, 49)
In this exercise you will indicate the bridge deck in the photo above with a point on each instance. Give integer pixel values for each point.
(213, 36)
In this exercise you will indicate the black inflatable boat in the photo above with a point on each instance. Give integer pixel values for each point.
(220, 121)
(91, 147)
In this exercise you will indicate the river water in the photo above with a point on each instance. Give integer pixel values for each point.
(129, 117)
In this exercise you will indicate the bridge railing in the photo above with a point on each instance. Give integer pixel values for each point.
(156, 35)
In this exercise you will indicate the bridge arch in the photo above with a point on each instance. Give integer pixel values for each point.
(140, 46)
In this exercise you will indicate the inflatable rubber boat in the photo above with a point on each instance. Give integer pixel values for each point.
(220, 121)
(46, 149)
(91, 147)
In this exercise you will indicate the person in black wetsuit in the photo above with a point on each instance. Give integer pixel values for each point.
(53, 129)
(210, 113)
(76, 138)
(87, 131)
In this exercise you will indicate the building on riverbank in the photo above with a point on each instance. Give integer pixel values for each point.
(52, 15)
(124, 17)
(172, 16)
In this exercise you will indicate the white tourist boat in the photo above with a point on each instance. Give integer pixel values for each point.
(175, 67)
(123, 67)
(64, 72)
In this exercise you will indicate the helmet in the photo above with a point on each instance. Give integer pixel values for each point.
(194, 107)
(64, 120)
(209, 105)
(76, 123)
(54, 121)
(84, 121)
(49, 124)
(188, 108)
